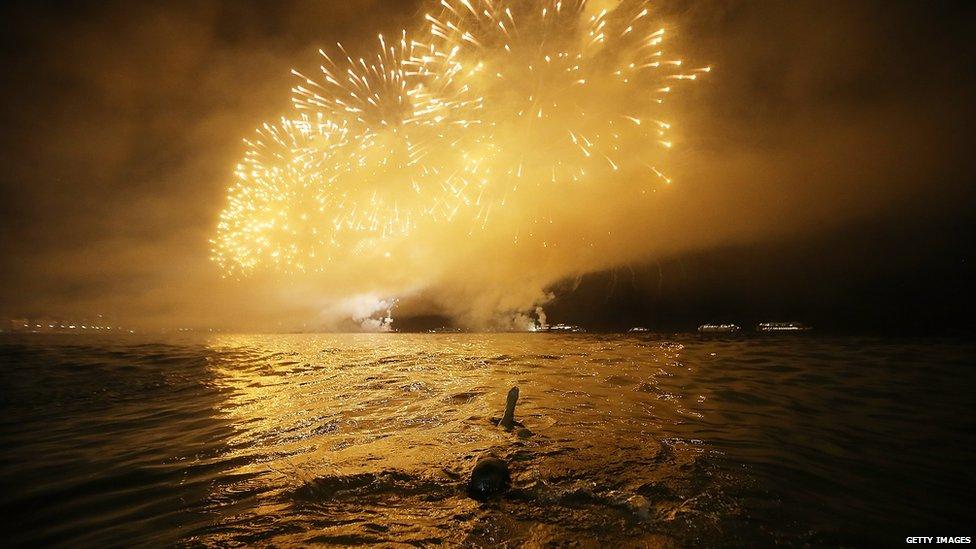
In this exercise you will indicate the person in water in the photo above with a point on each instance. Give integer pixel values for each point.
(490, 475)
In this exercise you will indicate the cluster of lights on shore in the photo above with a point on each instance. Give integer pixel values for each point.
(62, 326)
(494, 104)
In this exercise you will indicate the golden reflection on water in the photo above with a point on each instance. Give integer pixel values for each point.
(312, 414)
(414, 401)
(368, 439)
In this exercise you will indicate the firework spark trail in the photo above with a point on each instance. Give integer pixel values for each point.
(571, 94)
(470, 126)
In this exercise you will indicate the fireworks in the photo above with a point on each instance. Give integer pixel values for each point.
(494, 106)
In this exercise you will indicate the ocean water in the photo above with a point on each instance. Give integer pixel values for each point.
(368, 439)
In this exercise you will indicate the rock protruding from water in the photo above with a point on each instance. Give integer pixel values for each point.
(489, 478)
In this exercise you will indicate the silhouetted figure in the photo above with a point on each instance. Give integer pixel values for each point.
(489, 478)
(490, 475)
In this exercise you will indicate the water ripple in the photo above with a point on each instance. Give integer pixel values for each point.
(358, 439)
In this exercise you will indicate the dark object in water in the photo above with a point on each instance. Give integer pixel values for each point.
(508, 420)
(489, 478)
(490, 475)
(718, 329)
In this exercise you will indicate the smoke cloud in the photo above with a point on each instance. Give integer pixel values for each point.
(123, 128)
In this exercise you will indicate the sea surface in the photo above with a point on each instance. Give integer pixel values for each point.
(290, 440)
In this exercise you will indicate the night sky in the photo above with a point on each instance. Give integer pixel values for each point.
(825, 168)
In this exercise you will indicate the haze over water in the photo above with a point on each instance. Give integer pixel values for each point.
(366, 439)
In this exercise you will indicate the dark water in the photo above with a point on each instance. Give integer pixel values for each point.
(367, 439)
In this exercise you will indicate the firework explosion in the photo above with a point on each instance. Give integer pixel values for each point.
(494, 109)
(523, 132)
